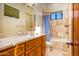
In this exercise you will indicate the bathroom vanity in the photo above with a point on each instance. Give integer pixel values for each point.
(23, 46)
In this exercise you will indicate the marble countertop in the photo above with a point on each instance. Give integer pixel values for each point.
(12, 41)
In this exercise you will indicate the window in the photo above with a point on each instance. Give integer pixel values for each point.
(56, 16)
(52, 16)
(59, 15)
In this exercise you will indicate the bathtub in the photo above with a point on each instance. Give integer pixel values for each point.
(60, 45)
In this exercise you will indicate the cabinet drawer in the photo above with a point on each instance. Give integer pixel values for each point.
(9, 52)
(20, 49)
(33, 43)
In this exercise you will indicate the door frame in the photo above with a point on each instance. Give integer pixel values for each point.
(72, 31)
(75, 39)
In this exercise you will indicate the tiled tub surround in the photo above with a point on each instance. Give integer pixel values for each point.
(59, 47)
(13, 41)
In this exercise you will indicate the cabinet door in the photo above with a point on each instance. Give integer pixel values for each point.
(30, 44)
(8, 52)
(35, 51)
(30, 53)
(20, 49)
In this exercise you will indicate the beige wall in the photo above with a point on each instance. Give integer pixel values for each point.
(10, 25)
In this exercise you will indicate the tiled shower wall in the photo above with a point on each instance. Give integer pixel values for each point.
(62, 28)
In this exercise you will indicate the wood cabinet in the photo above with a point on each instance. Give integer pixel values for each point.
(35, 51)
(33, 47)
(30, 44)
(36, 47)
(8, 52)
(20, 49)
(43, 45)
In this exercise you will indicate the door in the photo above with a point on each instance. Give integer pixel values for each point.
(46, 27)
(75, 31)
